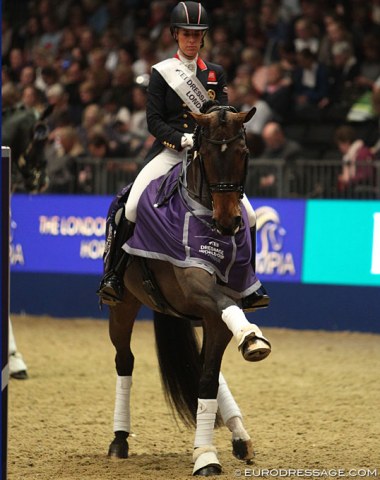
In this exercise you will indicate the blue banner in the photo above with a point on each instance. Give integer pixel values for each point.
(298, 241)
(280, 233)
(58, 233)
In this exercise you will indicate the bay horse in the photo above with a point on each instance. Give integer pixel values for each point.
(212, 178)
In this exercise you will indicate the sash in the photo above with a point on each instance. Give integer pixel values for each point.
(184, 82)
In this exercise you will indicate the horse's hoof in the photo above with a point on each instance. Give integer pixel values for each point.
(22, 375)
(255, 348)
(209, 471)
(118, 449)
(242, 449)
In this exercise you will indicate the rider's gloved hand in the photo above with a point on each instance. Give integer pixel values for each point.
(187, 140)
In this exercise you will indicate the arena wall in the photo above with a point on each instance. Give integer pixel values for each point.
(319, 259)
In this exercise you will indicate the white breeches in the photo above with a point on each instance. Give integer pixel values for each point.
(157, 167)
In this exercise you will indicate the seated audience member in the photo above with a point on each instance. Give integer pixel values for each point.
(263, 115)
(310, 85)
(344, 69)
(278, 91)
(357, 178)
(61, 154)
(277, 147)
(369, 70)
(306, 35)
(376, 108)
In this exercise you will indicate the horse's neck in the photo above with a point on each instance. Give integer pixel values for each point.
(196, 184)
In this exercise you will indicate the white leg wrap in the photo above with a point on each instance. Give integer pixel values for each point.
(12, 342)
(206, 415)
(237, 322)
(227, 406)
(122, 416)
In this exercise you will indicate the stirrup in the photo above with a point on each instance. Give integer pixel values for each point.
(111, 289)
(256, 300)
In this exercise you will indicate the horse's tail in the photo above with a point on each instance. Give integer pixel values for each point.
(179, 358)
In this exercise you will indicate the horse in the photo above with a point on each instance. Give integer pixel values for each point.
(211, 179)
(27, 137)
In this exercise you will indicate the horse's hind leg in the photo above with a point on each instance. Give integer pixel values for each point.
(242, 447)
(122, 317)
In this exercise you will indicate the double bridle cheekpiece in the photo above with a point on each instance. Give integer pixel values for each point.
(222, 187)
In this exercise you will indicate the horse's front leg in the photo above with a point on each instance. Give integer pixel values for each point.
(216, 338)
(121, 322)
(250, 339)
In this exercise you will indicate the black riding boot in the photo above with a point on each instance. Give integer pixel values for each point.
(111, 289)
(260, 298)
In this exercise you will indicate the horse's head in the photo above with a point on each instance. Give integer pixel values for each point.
(223, 157)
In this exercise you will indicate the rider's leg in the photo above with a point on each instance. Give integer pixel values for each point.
(111, 288)
(260, 298)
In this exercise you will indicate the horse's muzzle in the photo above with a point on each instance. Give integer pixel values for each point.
(228, 230)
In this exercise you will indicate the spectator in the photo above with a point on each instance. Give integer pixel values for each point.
(357, 177)
(58, 99)
(278, 91)
(277, 147)
(306, 35)
(342, 91)
(51, 35)
(16, 64)
(336, 32)
(166, 46)
(30, 34)
(376, 108)
(33, 99)
(27, 76)
(110, 42)
(310, 86)
(263, 115)
(92, 122)
(370, 64)
(122, 82)
(97, 72)
(72, 79)
(61, 153)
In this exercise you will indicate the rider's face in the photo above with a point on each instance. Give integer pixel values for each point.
(189, 41)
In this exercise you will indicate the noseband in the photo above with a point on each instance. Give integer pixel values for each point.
(223, 187)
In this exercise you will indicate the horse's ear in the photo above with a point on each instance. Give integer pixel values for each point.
(202, 119)
(249, 115)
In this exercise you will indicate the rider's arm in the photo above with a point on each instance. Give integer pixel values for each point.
(159, 113)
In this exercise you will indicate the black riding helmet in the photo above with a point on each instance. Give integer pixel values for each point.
(189, 15)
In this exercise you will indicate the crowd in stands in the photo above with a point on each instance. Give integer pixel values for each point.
(303, 64)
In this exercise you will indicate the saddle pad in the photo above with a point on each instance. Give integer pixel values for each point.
(172, 233)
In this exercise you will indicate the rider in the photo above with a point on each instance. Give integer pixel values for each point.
(171, 124)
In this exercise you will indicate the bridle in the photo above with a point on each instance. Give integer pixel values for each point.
(222, 187)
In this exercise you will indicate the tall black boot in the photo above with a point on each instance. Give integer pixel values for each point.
(260, 298)
(111, 289)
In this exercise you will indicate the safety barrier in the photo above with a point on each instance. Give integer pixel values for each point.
(267, 178)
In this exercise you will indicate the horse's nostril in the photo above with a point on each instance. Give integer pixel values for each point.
(238, 221)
